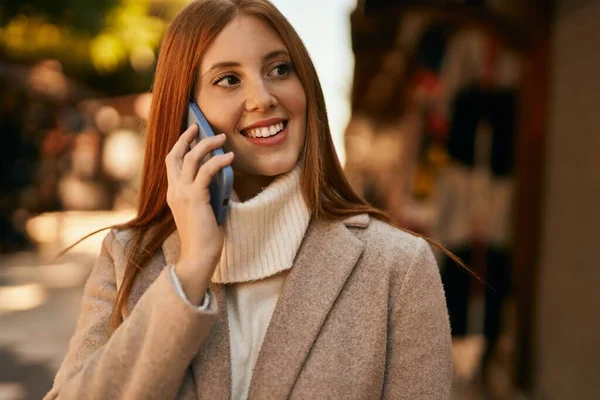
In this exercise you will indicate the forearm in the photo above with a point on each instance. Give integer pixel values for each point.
(146, 357)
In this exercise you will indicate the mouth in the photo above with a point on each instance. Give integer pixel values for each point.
(265, 132)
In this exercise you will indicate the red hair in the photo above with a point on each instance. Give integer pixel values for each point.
(324, 186)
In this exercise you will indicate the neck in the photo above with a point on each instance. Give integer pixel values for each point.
(248, 186)
(263, 234)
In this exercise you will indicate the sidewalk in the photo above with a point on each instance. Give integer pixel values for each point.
(38, 313)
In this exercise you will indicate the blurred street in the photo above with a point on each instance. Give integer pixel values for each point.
(34, 337)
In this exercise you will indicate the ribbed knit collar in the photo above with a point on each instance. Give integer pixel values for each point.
(263, 234)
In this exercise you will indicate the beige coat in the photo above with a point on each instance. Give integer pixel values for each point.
(362, 316)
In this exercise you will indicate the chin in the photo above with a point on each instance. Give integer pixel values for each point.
(270, 168)
(277, 168)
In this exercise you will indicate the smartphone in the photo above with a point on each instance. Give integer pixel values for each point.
(221, 184)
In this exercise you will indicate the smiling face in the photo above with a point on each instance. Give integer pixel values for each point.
(247, 88)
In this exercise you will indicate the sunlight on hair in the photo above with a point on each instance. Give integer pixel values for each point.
(21, 297)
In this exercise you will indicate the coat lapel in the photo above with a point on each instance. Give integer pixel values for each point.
(211, 368)
(324, 262)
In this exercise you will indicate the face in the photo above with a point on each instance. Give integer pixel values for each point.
(247, 88)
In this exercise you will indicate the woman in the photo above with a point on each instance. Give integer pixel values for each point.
(354, 307)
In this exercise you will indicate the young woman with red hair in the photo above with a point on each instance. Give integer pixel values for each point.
(304, 292)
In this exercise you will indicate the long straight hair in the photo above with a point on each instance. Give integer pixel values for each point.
(326, 190)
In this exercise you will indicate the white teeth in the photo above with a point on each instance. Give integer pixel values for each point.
(265, 131)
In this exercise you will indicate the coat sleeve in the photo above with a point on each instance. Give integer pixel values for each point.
(147, 356)
(419, 351)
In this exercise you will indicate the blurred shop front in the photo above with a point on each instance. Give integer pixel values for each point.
(439, 124)
(473, 123)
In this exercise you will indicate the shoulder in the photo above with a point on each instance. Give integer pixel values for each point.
(115, 244)
(121, 236)
(118, 240)
(398, 254)
(383, 236)
(385, 240)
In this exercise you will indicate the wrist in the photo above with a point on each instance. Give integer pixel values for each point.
(193, 281)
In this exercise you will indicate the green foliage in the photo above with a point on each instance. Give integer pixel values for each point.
(82, 16)
(102, 37)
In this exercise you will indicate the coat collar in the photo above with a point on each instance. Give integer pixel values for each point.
(326, 258)
(171, 246)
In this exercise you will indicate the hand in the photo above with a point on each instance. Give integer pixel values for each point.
(188, 197)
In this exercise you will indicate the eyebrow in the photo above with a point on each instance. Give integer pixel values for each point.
(230, 64)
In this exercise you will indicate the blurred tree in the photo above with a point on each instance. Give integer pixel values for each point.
(108, 44)
(83, 16)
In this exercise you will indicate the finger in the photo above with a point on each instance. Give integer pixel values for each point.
(192, 160)
(211, 168)
(182, 146)
(173, 168)
(174, 159)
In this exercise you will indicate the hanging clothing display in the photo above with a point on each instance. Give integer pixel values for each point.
(475, 203)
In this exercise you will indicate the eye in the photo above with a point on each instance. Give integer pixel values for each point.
(282, 69)
(226, 81)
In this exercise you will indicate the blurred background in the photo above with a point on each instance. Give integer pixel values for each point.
(473, 122)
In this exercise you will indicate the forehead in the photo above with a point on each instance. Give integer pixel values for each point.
(243, 39)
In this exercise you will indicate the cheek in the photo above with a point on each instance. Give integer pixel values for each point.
(221, 114)
(296, 100)
(298, 107)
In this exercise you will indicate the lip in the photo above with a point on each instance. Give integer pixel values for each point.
(263, 123)
(271, 140)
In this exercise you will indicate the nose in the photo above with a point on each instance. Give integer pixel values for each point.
(259, 97)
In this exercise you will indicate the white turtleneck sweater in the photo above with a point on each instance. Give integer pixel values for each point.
(262, 236)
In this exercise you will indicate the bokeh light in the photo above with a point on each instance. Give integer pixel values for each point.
(107, 118)
(123, 154)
